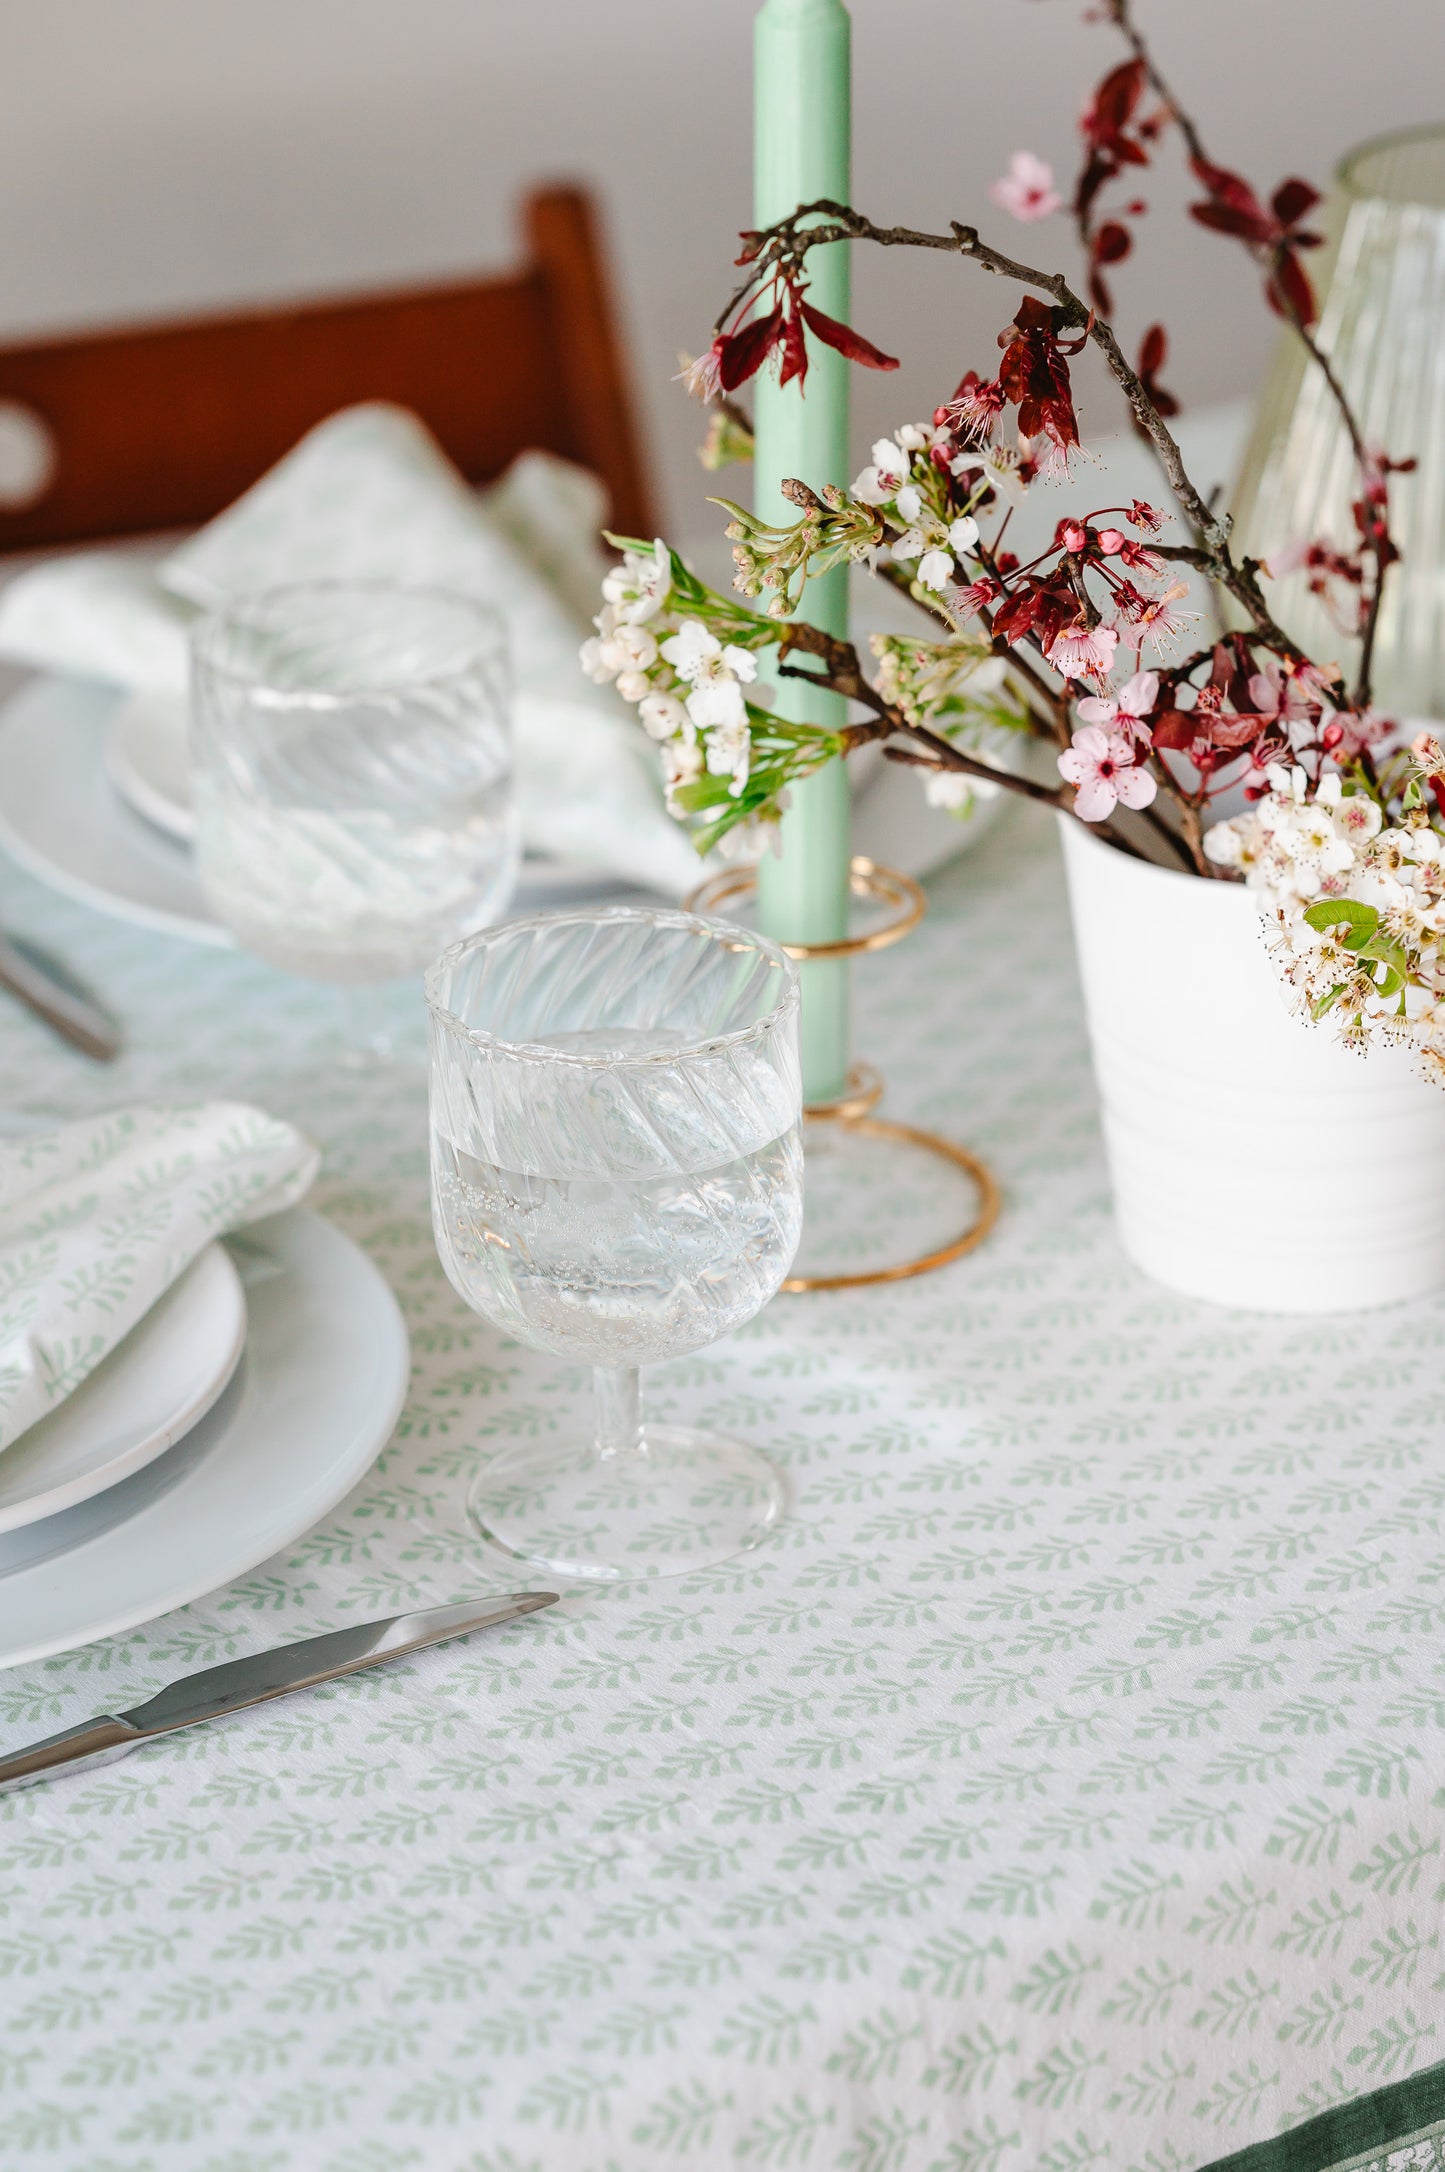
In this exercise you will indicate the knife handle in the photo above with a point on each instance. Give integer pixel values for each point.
(94, 1742)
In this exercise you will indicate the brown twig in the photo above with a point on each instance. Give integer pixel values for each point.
(843, 674)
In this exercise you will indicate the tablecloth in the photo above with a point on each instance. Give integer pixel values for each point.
(1062, 1786)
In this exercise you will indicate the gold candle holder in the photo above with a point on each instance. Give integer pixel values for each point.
(853, 1109)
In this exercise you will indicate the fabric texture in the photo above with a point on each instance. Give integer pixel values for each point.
(98, 1219)
(1063, 1787)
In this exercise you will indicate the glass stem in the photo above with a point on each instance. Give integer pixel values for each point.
(618, 1395)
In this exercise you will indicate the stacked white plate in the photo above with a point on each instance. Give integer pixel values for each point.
(231, 1419)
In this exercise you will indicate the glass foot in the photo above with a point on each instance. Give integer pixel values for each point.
(683, 1501)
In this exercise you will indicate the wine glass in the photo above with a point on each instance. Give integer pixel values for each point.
(617, 1177)
(352, 775)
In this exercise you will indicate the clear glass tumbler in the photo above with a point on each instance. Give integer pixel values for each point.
(617, 1178)
(352, 774)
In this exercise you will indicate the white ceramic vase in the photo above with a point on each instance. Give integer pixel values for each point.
(1254, 1161)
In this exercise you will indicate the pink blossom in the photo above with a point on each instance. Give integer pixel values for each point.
(976, 597)
(1139, 556)
(1144, 515)
(1111, 541)
(1072, 535)
(1083, 652)
(1101, 767)
(1287, 559)
(973, 408)
(1276, 696)
(1362, 728)
(1027, 190)
(703, 378)
(1127, 710)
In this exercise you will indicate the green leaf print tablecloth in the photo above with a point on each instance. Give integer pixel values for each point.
(1064, 1787)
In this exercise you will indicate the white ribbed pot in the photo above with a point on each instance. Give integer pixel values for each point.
(1254, 1161)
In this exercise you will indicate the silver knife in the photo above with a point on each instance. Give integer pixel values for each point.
(52, 991)
(242, 1682)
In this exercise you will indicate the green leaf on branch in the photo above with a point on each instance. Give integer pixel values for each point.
(782, 754)
(1358, 921)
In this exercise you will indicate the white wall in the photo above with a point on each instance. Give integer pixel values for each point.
(157, 155)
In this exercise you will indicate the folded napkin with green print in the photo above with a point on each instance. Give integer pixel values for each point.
(98, 1219)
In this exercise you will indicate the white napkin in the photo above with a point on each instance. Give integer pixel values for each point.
(369, 494)
(98, 1219)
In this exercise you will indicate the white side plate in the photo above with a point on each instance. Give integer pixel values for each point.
(309, 1409)
(149, 762)
(140, 1401)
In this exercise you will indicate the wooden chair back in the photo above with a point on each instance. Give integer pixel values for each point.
(162, 426)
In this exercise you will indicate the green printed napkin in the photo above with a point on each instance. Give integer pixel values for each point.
(98, 1219)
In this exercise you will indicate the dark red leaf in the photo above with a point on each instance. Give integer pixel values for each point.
(1112, 242)
(1292, 199)
(795, 351)
(1113, 103)
(1289, 291)
(1223, 219)
(1177, 730)
(1155, 350)
(846, 340)
(1015, 615)
(1229, 189)
(742, 354)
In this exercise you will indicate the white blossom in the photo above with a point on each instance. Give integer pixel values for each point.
(640, 586)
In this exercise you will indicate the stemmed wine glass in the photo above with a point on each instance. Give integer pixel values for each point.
(617, 1173)
(351, 771)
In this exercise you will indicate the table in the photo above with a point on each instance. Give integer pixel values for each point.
(1062, 1788)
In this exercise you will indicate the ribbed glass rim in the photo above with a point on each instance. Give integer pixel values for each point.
(491, 644)
(660, 916)
(1391, 140)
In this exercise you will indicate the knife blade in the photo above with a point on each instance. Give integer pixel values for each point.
(237, 1683)
(52, 991)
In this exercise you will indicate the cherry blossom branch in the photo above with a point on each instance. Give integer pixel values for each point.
(843, 674)
(793, 237)
(1049, 711)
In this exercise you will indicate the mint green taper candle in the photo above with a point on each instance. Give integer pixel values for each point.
(802, 99)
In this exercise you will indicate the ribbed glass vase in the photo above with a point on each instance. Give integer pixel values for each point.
(1381, 283)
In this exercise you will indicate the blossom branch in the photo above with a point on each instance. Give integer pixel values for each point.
(843, 674)
(793, 237)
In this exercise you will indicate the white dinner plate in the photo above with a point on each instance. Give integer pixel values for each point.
(63, 819)
(162, 1377)
(308, 1410)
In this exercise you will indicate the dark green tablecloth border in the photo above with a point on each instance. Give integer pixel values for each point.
(1401, 2112)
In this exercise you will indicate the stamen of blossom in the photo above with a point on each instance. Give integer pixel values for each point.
(975, 406)
(702, 377)
(976, 597)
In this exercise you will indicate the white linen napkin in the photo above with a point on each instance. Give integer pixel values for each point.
(369, 494)
(98, 1219)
